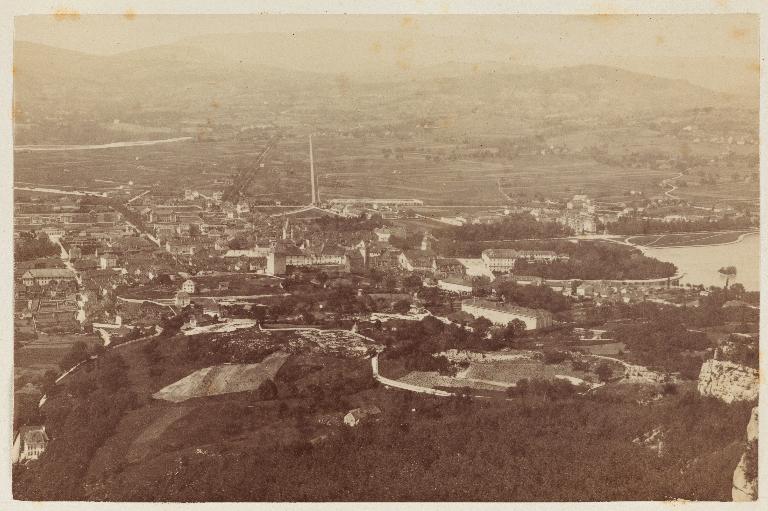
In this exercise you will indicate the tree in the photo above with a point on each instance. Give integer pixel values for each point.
(401, 306)
(481, 325)
(728, 272)
(513, 330)
(604, 372)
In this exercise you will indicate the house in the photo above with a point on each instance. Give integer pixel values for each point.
(42, 276)
(353, 417)
(208, 307)
(426, 242)
(107, 261)
(416, 260)
(182, 299)
(501, 313)
(385, 233)
(30, 443)
(188, 286)
(447, 267)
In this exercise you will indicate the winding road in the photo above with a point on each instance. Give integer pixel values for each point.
(668, 182)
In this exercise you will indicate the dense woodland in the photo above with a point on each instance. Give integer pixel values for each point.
(637, 226)
(424, 449)
(670, 338)
(513, 227)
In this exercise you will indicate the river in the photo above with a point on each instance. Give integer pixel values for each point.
(701, 264)
(97, 146)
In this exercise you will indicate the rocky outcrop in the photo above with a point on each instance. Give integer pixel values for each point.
(728, 381)
(745, 476)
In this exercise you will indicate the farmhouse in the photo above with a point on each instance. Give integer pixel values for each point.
(501, 314)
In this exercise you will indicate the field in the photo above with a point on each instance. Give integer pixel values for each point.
(46, 353)
(349, 167)
(223, 379)
(687, 239)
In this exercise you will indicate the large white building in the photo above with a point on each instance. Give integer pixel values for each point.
(503, 259)
(501, 314)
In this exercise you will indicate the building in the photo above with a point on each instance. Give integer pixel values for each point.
(456, 285)
(182, 299)
(56, 313)
(501, 314)
(522, 280)
(447, 267)
(276, 263)
(385, 233)
(353, 417)
(188, 286)
(43, 276)
(503, 259)
(416, 260)
(107, 261)
(30, 443)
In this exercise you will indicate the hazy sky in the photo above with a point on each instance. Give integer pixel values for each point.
(636, 35)
(717, 51)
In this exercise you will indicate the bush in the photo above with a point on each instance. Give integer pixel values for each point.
(604, 372)
(555, 356)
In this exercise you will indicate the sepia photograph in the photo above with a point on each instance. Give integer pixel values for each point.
(349, 257)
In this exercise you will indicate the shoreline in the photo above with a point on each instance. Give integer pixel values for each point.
(737, 240)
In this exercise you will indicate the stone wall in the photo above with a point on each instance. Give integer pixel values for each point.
(728, 381)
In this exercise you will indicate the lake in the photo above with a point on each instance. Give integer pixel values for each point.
(700, 264)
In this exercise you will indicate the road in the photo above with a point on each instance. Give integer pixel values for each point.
(60, 192)
(247, 175)
(138, 196)
(169, 301)
(400, 385)
(97, 146)
(668, 182)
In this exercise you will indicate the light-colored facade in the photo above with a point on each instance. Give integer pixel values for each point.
(30, 443)
(503, 259)
(458, 286)
(501, 314)
(43, 276)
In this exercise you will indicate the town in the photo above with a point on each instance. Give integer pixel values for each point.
(273, 296)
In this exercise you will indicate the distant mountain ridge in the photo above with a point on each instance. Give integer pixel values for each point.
(182, 75)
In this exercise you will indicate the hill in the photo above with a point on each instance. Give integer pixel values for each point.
(244, 70)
